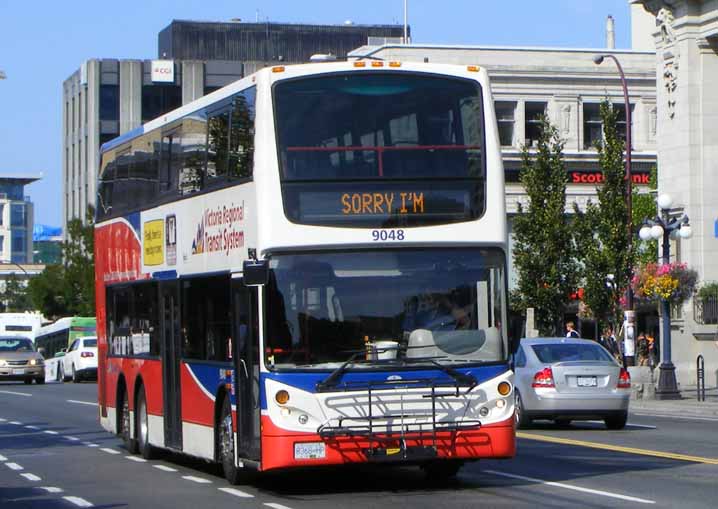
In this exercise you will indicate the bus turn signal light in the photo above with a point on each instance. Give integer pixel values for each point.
(279, 68)
(282, 397)
(504, 388)
(472, 68)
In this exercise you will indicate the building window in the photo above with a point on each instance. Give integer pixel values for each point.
(593, 125)
(17, 214)
(2, 215)
(534, 113)
(110, 102)
(18, 246)
(505, 116)
(159, 99)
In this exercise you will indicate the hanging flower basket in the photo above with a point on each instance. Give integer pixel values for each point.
(674, 282)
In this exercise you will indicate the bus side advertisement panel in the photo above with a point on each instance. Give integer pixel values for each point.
(200, 385)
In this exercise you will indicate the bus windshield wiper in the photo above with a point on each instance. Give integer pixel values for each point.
(462, 378)
(336, 375)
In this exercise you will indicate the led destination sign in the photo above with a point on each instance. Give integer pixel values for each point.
(370, 204)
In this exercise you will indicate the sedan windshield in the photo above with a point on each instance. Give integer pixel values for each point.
(16, 345)
(400, 305)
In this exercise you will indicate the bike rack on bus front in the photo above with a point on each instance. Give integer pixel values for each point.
(381, 435)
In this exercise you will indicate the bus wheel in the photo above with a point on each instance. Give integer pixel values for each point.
(124, 424)
(442, 470)
(143, 429)
(225, 445)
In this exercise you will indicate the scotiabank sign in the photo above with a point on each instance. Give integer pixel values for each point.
(596, 177)
(163, 71)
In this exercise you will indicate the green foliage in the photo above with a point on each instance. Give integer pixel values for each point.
(14, 298)
(708, 291)
(544, 249)
(602, 229)
(644, 207)
(69, 289)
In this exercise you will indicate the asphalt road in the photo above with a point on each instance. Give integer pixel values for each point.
(54, 454)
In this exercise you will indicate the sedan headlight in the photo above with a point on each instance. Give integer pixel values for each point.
(36, 362)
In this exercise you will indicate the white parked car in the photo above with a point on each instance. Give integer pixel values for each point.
(80, 360)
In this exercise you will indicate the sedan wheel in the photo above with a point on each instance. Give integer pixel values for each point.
(522, 421)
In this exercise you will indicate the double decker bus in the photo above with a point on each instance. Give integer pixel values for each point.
(308, 267)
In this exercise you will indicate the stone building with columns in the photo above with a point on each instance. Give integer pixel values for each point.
(685, 36)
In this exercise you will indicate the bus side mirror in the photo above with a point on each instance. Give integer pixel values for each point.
(255, 272)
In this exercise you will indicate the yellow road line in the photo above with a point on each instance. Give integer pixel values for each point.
(618, 448)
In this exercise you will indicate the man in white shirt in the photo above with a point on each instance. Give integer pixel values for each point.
(571, 331)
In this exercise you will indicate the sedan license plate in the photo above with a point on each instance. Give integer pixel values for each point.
(586, 381)
(309, 451)
(18, 371)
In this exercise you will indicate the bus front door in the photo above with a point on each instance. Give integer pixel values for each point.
(246, 366)
(171, 345)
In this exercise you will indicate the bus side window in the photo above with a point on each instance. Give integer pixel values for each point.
(241, 138)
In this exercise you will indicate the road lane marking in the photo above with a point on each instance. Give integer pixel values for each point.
(51, 489)
(51, 432)
(79, 502)
(90, 444)
(32, 427)
(570, 487)
(683, 417)
(276, 506)
(165, 468)
(82, 402)
(13, 466)
(110, 451)
(135, 458)
(627, 424)
(199, 480)
(73, 439)
(31, 477)
(2, 420)
(236, 493)
(618, 448)
(16, 393)
(2, 458)
(15, 423)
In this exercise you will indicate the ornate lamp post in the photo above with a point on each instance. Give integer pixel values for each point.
(630, 317)
(662, 227)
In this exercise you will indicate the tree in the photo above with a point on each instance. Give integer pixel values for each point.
(69, 288)
(544, 248)
(603, 236)
(14, 298)
(644, 207)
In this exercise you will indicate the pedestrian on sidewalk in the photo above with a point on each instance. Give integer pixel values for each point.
(652, 351)
(571, 331)
(642, 349)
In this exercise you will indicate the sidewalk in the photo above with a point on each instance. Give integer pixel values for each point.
(688, 406)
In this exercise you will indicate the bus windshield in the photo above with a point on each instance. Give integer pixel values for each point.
(442, 305)
(387, 148)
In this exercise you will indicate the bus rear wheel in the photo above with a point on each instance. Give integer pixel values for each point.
(225, 444)
(143, 428)
(123, 421)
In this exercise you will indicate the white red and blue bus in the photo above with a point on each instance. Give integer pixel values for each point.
(308, 267)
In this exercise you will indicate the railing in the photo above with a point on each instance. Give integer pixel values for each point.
(701, 378)
(705, 310)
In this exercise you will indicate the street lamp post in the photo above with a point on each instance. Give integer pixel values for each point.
(629, 318)
(662, 227)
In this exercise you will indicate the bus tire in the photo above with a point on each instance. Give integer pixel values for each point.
(225, 444)
(123, 422)
(442, 470)
(142, 426)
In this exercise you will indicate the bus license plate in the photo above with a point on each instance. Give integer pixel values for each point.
(18, 371)
(309, 451)
(587, 381)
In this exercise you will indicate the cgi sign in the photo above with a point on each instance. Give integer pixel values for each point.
(163, 71)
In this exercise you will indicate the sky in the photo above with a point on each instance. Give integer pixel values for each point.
(44, 42)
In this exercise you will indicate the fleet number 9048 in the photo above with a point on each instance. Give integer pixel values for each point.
(384, 235)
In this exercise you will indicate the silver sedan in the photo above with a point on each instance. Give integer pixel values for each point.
(569, 379)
